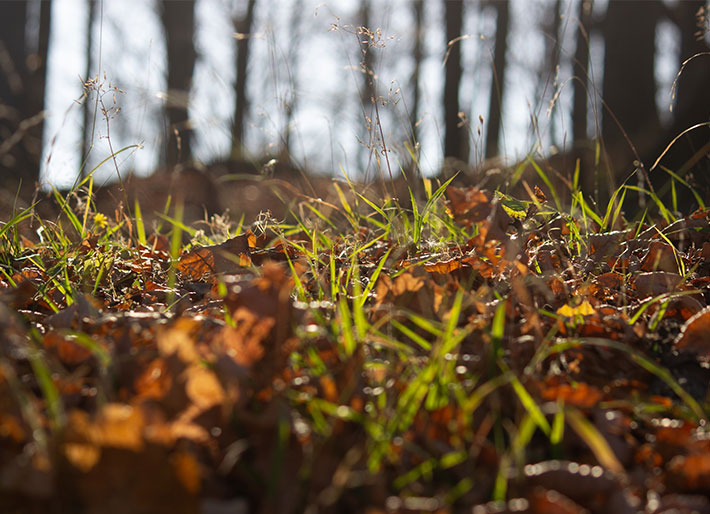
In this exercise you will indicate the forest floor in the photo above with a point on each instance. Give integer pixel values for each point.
(467, 353)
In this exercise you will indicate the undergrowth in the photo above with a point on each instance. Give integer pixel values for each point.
(434, 355)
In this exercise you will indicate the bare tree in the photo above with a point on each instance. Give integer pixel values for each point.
(292, 62)
(692, 102)
(88, 112)
(243, 27)
(455, 136)
(366, 38)
(495, 102)
(23, 70)
(418, 56)
(630, 121)
(580, 88)
(179, 25)
(551, 27)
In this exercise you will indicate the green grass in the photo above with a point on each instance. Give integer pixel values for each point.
(424, 370)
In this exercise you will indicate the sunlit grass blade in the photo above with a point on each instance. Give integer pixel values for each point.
(423, 343)
(528, 402)
(48, 388)
(66, 209)
(663, 210)
(640, 359)
(140, 226)
(373, 279)
(547, 181)
(346, 326)
(680, 179)
(596, 442)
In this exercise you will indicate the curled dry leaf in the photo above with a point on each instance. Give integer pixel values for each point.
(574, 480)
(580, 395)
(551, 501)
(655, 283)
(222, 258)
(694, 336)
(473, 205)
(470, 204)
(690, 473)
(116, 426)
(69, 352)
(179, 340)
(660, 257)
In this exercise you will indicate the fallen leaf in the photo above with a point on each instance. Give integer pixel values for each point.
(222, 258)
(655, 283)
(660, 257)
(694, 336)
(583, 309)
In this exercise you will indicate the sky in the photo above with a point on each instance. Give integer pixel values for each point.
(310, 59)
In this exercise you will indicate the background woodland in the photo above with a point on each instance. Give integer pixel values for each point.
(611, 105)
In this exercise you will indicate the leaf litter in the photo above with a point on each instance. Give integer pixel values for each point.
(524, 361)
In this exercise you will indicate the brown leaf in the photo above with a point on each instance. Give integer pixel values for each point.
(655, 283)
(470, 204)
(690, 473)
(18, 297)
(660, 257)
(202, 387)
(577, 481)
(549, 501)
(694, 336)
(223, 258)
(407, 282)
(539, 195)
(155, 382)
(68, 351)
(446, 266)
(179, 340)
(580, 395)
(187, 471)
(116, 425)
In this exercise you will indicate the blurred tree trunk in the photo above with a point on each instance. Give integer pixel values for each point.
(88, 111)
(455, 135)
(629, 85)
(495, 101)
(418, 56)
(179, 24)
(367, 93)
(580, 88)
(549, 74)
(243, 28)
(290, 98)
(691, 153)
(590, 174)
(23, 73)
(368, 89)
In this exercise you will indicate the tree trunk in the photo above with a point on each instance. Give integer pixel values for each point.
(418, 56)
(367, 93)
(495, 102)
(243, 28)
(548, 76)
(455, 135)
(368, 89)
(691, 153)
(23, 71)
(179, 24)
(88, 112)
(290, 97)
(629, 82)
(590, 174)
(580, 87)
